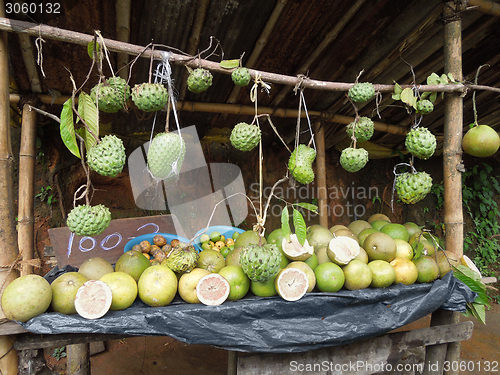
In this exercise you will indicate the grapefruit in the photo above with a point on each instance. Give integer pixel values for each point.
(421, 245)
(95, 268)
(481, 141)
(412, 228)
(318, 236)
(291, 284)
(239, 283)
(365, 233)
(337, 227)
(379, 224)
(345, 233)
(157, 285)
(380, 246)
(329, 277)
(293, 250)
(357, 275)
(403, 249)
(188, 282)
(341, 250)
(406, 271)
(248, 237)
(123, 289)
(93, 299)
(233, 258)
(213, 289)
(362, 256)
(428, 269)
(396, 230)
(264, 288)
(446, 260)
(379, 216)
(312, 261)
(322, 255)
(64, 290)
(133, 263)
(466, 261)
(311, 278)
(211, 260)
(26, 297)
(358, 225)
(276, 237)
(383, 274)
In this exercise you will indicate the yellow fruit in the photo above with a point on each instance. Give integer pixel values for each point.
(357, 226)
(307, 270)
(357, 275)
(380, 246)
(219, 244)
(64, 290)
(188, 282)
(481, 141)
(123, 289)
(383, 274)
(95, 268)
(291, 284)
(374, 217)
(406, 271)
(157, 286)
(403, 249)
(446, 260)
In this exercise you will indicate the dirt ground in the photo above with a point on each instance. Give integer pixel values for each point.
(164, 355)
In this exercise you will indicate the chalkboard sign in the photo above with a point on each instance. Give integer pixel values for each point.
(74, 250)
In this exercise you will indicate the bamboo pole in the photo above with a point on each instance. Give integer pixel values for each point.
(27, 158)
(486, 6)
(319, 131)
(68, 36)
(78, 362)
(123, 34)
(8, 235)
(452, 156)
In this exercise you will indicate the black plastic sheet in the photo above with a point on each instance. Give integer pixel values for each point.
(272, 324)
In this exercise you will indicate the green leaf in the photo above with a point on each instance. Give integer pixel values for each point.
(300, 227)
(450, 76)
(308, 206)
(433, 79)
(477, 311)
(285, 223)
(229, 64)
(473, 281)
(397, 88)
(396, 97)
(444, 79)
(67, 128)
(425, 95)
(90, 50)
(433, 96)
(88, 110)
(408, 98)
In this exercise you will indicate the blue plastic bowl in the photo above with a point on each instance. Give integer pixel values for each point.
(149, 237)
(225, 230)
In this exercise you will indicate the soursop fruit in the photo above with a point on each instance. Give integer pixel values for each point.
(241, 76)
(363, 129)
(300, 164)
(361, 92)
(260, 263)
(353, 159)
(112, 95)
(150, 97)
(421, 143)
(166, 155)
(199, 80)
(89, 221)
(413, 187)
(424, 107)
(245, 137)
(107, 157)
(182, 258)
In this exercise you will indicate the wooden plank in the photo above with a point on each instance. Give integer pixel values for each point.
(11, 328)
(32, 341)
(74, 250)
(365, 357)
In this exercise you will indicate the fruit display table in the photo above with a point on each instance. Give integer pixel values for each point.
(273, 325)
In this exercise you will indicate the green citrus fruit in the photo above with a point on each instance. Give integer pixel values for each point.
(374, 217)
(396, 230)
(133, 263)
(64, 290)
(157, 286)
(379, 224)
(94, 268)
(383, 274)
(365, 233)
(428, 269)
(264, 288)
(481, 141)
(357, 275)
(248, 237)
(211, 260)
(380, 246)
(358, 225)
(329, 277)
(311, 277)
(123, 288)
(238, 281)
(312, 261)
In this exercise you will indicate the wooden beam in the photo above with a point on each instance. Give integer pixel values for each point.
(319, 136)
(123, 34)
(30, 341)
(356, 358)
(78, 359)
(486, 6)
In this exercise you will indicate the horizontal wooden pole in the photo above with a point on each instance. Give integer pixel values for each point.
(49, 32)
(31, 341)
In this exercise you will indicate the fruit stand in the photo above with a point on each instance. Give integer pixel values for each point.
(342, 326)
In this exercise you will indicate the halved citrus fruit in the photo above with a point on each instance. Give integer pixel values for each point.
(93, 299)
(291, 284)
(342, 249)
(212, 289)
(293, 250)
(466, 261)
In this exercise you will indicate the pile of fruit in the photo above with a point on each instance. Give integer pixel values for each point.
(375, 253)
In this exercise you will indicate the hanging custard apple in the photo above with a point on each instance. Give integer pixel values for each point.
(260, 263)
(245, 137)
(413, 187)
(241, 76)
(107, 157)
(150, 97)
(361, 92)
(166, 155)
(353, 159)
(424, 107)
(112, 95)
(182, 258)
(89, 221)
(421, 143)
(199, 80)
(363, 129)
(300, 164)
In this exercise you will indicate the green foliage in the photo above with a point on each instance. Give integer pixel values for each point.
(299, 224)
(477, 309)
(45, 194)
(229, 64)
(59, 353)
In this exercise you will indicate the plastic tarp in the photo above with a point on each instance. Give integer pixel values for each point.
(272, 324)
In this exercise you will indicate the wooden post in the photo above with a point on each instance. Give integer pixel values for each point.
(26, 238)
(452, 158)
(78, 362)
(319, 131)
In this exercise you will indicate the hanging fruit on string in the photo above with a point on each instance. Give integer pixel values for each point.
(421, 143)
(300, 164)
(112, 95)
(353, 159)
(241, 76)
(199, 80)
(245, 137)
(361, 128)
(413, 187)
(107, 157)
(86, 220)
(361, 92)
(166, 155)
(481, 141)
(150, 97)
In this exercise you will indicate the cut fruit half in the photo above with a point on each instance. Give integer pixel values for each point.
(294, 250)
(212, 289)
(466, 261)
(291, 284)
(342, 249)
(93, 299)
